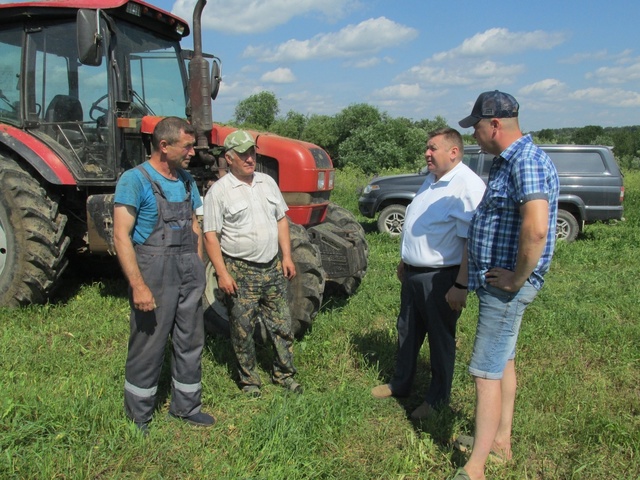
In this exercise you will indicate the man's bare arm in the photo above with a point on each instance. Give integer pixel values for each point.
(284, 240)
(124, 217)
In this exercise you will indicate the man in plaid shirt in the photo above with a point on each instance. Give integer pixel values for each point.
(510, 245)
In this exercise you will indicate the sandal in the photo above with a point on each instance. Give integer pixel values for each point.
(464, 444)
(461, 474)
(291, 385)
(251, 391)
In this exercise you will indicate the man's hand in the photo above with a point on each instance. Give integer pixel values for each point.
(288, 268)
(227, 284)
(456, 298)
(143, 298)
(503, 279)
(400, 271)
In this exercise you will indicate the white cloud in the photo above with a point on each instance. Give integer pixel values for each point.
(256, 16)
(479, 73)
(627, 71)
(279, 75)
(612, 97)
(445, 68)
(367, 37)
(401, 91)
(597, 55)
(584, 57)
(500, 41)
(367, 62)
(547, 87)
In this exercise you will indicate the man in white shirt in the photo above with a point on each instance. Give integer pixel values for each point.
(433, 270)
(244, 223)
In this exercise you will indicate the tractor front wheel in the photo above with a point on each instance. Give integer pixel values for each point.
(304, 293)
(32, 238)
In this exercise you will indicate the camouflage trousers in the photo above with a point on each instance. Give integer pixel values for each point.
(261, 294)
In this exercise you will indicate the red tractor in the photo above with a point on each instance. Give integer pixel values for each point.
(82, 85)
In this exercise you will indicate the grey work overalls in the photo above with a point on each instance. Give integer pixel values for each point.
(173, 271)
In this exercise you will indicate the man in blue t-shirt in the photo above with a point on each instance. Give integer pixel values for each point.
(159, 245)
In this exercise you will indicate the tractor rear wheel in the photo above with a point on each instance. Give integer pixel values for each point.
(346, 221)
(304, 296)
(307, 287)
(32, 239)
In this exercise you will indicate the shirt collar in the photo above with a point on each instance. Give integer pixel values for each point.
(511, 151)
(447, 176)
(235, 182)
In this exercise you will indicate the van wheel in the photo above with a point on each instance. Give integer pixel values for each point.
(391, 220)
(567, 227)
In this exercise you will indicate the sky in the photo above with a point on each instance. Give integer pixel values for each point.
(568, 63)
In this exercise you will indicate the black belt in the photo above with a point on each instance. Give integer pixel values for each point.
(411, 268)
(268, 264)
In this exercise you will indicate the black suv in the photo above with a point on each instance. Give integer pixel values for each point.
(591, 188)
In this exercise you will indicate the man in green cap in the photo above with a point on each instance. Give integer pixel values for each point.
(244, 223)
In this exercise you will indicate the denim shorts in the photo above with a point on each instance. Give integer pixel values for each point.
(498, 327)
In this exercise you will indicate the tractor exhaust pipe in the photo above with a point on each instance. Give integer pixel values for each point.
(200, 88)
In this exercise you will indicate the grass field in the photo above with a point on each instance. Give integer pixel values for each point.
(577, 410)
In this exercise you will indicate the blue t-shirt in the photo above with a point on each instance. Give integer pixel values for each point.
(135, 190)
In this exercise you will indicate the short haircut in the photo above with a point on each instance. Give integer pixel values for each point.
(451, 135)
(169, 129)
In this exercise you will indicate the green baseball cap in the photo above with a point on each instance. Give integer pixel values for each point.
(240, 141)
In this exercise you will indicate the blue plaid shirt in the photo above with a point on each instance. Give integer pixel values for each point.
(523, 172)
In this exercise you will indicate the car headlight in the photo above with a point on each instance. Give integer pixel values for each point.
(369, 188)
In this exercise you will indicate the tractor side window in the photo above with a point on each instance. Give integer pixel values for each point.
(156, 82)
(156, 73)
(58, 78)
(10, 55)
(70, 100)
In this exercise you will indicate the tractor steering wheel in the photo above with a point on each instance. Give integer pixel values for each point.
(95, 107)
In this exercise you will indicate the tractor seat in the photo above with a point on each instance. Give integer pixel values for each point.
(66, 112)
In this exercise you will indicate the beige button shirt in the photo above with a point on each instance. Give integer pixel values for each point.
(245, 216)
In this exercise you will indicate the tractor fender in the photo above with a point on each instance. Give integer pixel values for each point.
(37, 154)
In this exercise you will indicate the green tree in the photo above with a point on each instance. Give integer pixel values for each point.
(547, 135)
(587, 135)
(389, 143)
(292, 126)
(431, 125)
(258, 111)
(626, 141)
(321, 130)
(354, 117)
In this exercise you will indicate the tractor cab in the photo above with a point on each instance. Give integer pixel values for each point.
(81, 80)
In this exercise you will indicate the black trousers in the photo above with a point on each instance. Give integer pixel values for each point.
(425, 312)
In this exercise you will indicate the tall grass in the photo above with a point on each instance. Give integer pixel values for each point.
(61, 413)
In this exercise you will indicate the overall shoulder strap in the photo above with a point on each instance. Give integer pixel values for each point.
(185, 180)
(155, 186)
